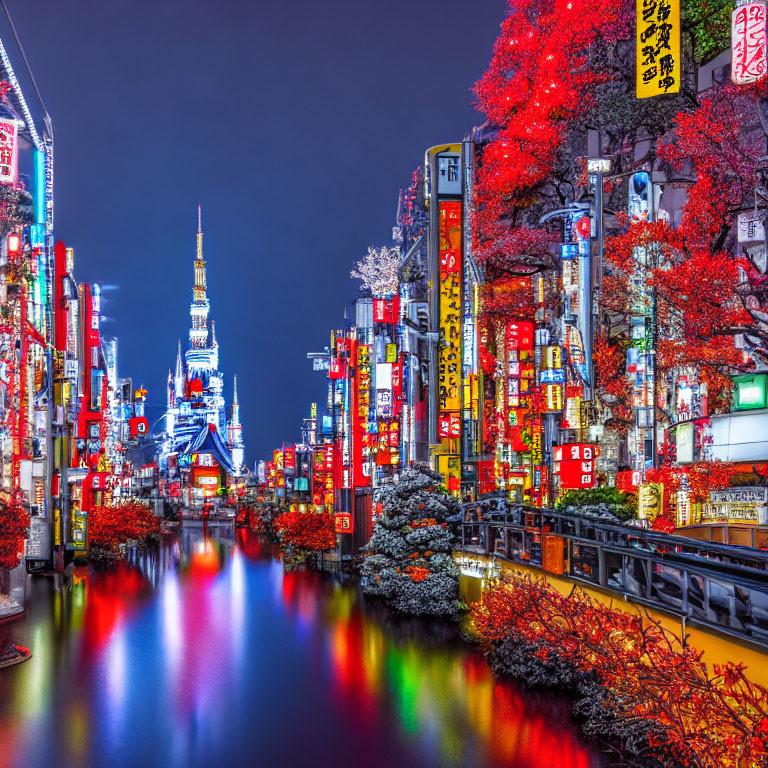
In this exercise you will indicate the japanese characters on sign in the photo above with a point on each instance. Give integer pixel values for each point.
(748, 44)
(575, 465)
(360, 414)
(9, 151)
(449, 367)
(658, 47)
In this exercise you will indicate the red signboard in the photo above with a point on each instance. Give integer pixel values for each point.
(628, 480)
(9, 151)
(520, 335)
(397, 378)
(486, 477)
(336, 369)
(386, 310)
(449, 425)
(138, 426)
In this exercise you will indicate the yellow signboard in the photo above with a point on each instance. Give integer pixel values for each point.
(650, 501)
(657, 47)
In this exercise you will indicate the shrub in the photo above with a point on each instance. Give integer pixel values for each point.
(308, 531)
(655, 691)
(619, 504)
(116, 524)
(14, 521)
(408, 560)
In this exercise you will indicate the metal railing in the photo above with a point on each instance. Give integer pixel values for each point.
(718, 586)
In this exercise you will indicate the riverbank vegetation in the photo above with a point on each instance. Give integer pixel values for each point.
(115, 526)
(304, 533)
(408, 560)
(638, 689)
(14, 521)
(622, 506)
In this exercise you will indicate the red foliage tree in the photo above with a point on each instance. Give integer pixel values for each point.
(14, 522)
(116, 524)
(613, 386)
(538, 79)
(700, 478)
(313, 531)
(713, 720)
(702, 298)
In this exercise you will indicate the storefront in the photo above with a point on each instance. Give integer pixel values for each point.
(737, 505)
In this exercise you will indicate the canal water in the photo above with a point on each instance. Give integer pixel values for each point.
(209, 653)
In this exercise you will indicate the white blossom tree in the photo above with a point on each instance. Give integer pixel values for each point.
(378, 271)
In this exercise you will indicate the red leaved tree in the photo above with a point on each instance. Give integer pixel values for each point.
(312, 531)
(538, 81)
(715, 719)
(14, 522)
(116, 524)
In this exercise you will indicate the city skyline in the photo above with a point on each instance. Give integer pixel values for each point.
(273, 140)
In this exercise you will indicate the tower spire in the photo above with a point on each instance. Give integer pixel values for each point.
(199, 232)
(234, 392)
(198, 335)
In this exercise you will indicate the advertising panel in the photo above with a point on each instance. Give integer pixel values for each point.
(344, 522)
(650, 501)
(449, 391)
(9, 151)
(748, 45)
(361, 407)
(657, 47)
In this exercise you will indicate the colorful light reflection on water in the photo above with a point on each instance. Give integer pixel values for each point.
(209, 653)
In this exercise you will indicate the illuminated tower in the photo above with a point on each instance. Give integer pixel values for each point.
(198, 333)
(196, 417)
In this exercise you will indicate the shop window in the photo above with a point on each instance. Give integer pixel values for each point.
(721, 599)
(535, 548)
(517, 547)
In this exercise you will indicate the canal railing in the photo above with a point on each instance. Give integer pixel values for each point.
(717, 586)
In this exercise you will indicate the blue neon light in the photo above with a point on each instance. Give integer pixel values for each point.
(39, 187)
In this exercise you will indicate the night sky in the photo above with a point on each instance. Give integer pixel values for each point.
(294, 124)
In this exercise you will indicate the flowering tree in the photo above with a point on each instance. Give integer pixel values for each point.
(379, 271)
(642, 689)
(116, 524)
(408, 560)
(14, 521)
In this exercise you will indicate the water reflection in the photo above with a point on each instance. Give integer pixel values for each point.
(206, 652)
